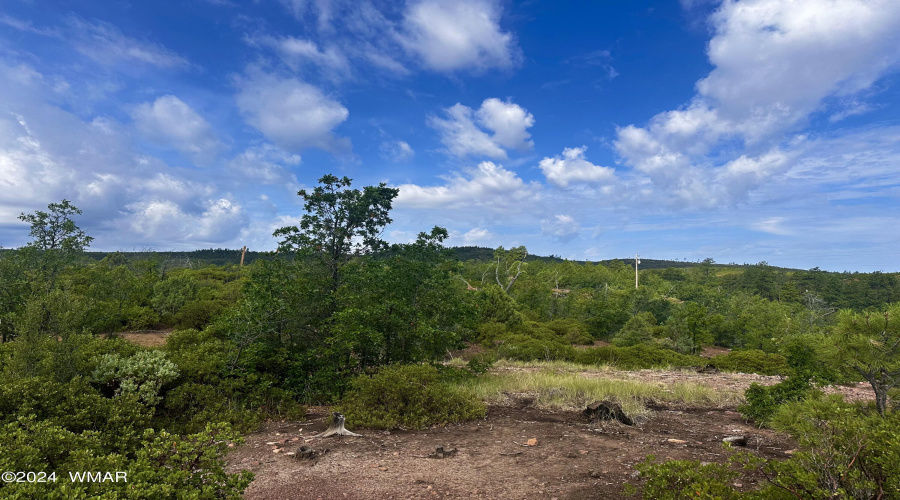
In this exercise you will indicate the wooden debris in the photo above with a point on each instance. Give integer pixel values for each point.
(736, 440)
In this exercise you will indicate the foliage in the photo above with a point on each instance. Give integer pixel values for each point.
(752, 361)
(869, 344)
(141, 375)
(339, 223)
(55, 230)
(639, 329)
(677, 479)
(763, 402)
(637, 357)
(846, 451)
(409, 396)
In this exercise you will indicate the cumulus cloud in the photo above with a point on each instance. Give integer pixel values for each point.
(489, 186)
(291, 113)
(397, 151)
(451, 36)
(561, 226)
(776, 63)
(508, 121)
(574, 167)
(463, 131)
(170, 122)
(156, 220)
(129, 198)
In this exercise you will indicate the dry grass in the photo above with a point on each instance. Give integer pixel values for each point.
(570, 386)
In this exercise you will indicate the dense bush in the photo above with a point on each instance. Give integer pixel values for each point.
(763, 402)
(846, 451)
(214, 386)
(752, 361)
(636, 357)
(678, 479)
(410, 396)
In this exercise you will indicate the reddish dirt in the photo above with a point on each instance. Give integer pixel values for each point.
(573, 458)
(146, 338)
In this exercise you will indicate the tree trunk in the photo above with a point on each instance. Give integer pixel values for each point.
(337, 427)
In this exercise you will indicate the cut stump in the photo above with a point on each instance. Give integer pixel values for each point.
(337, 427)
(607, 410)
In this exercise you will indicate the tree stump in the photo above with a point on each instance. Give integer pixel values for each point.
(337, 427)
(607, 410)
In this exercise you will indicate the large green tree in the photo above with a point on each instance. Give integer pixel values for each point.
(340, 223)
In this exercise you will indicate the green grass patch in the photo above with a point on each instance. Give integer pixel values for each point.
(574, 391)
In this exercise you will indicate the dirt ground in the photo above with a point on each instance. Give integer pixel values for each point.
(147, 338)
(573, 458)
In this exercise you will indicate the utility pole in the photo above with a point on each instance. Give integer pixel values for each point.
(243, 253)
(637, 261)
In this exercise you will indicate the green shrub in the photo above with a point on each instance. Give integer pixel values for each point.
(752, 361)
(527, 348)
(639, 329)
(763, 402)
(142, 375)
(410, 396)
(573, 332)
(213, 388)
(636, 357)
(678, 479)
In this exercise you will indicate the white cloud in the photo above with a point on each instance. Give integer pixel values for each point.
(291, 113)
(477, 236)
(298, 52)
(162, 220)
(489, 186)
(397, 151)
(509, 122)
(48, 153)
(574, 167)
(463, 137)
(107, 45)
(561, 226)
(451, 36)
(776, 62)
(267, 164)
(772, 225)
(169, 121)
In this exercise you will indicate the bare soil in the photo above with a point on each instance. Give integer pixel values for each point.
(146, 338)
(573, 458)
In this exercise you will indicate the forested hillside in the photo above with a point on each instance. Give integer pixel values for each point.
(313, 323)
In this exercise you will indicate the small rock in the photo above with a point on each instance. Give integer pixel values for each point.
(231, 445)
(532, 442)
(276, 450)
(270, 443)
(790, 452)
(676, 441)
(583, 452)
(382, 468)
(294, 440)
(255, 462)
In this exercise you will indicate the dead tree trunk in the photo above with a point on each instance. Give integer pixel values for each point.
(337, 427)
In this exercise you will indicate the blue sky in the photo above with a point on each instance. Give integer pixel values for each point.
(743, 130)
